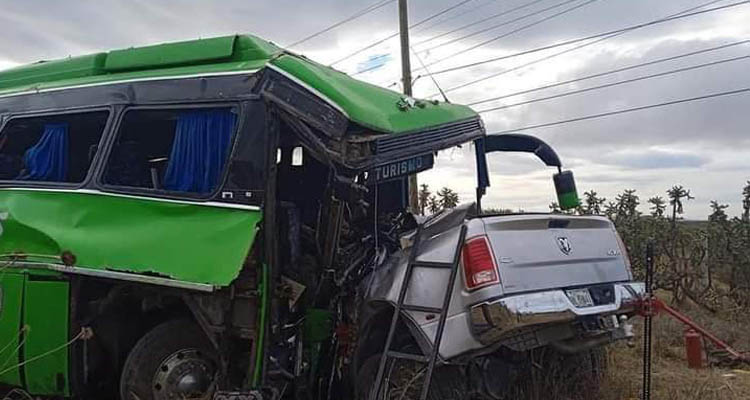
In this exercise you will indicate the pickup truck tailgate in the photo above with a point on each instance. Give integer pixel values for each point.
(537, 252)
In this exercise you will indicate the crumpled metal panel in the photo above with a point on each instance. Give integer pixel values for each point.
(177, 240)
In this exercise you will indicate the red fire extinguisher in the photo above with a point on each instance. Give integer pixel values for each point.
(694, 349)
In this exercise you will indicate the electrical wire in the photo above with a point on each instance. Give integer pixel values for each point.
(610, 72)
(601, 37)
(434, 81)
(611, 84)
(371, 45)
(374, 67)
(373, 7)
(24, 333)
(493, 27)
(460, 14)
(624, 111)
(475, 23)
(500, 25)
(514, 31)
(80, 335)
(598, 35)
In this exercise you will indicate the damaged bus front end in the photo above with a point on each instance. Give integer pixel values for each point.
(192, 220)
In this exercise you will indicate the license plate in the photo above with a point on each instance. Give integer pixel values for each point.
(580, 297)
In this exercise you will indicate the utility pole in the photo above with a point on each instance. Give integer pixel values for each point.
(403, 22)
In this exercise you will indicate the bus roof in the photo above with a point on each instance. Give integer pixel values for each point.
(368, 105)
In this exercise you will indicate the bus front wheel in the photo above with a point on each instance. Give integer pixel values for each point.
(174, 360)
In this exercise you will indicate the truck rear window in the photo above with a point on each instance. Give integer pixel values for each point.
(182, 150)
(51, 148)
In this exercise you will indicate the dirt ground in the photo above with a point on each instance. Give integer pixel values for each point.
(671, 378)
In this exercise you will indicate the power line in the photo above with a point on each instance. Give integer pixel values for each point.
(601, 37)
(374, 67)
(492, 27)
(371, 45)
(434, 81)
(475, 23)
(598, 35)
(611, 84)
(460, 14)
(610, 72)
(352, 17)
(519, 29)
(627, 110)
(500, 25)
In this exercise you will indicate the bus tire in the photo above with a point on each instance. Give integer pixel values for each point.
(173, 360)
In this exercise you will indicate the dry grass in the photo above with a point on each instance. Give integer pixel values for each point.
(671, 378)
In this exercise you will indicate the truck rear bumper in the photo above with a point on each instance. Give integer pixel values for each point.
(516, 314)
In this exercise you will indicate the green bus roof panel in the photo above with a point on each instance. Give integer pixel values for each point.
(171, 54)
(369, 106)
(248, 48)
(51, 71)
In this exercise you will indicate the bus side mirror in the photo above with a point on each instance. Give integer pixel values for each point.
(565, 186)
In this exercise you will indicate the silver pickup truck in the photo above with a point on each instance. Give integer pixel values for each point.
(529, 287)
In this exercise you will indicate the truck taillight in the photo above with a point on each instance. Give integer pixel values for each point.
(479, 263)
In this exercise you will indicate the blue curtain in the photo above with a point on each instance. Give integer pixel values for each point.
(47, 160)
(202, 140)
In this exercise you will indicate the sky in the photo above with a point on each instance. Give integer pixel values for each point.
(702, 145)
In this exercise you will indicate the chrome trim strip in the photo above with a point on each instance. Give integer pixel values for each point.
(309, 88)
(130, 196)
(124, 276)
(496, 319)
(145, 79)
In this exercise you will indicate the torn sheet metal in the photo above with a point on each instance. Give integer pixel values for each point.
(182, 241)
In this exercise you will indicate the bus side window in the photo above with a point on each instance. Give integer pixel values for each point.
(182, 150)
(55, 148)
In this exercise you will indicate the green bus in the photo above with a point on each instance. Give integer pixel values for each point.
(173, 218)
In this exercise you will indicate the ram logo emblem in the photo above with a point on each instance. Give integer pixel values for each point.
(564, 244)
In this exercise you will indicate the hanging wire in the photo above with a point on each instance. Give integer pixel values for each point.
(85, 334)
(24, 333)
(385, 39)
(437, 85)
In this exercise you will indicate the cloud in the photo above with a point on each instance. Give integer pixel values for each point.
(655, 159)
(705, 145)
